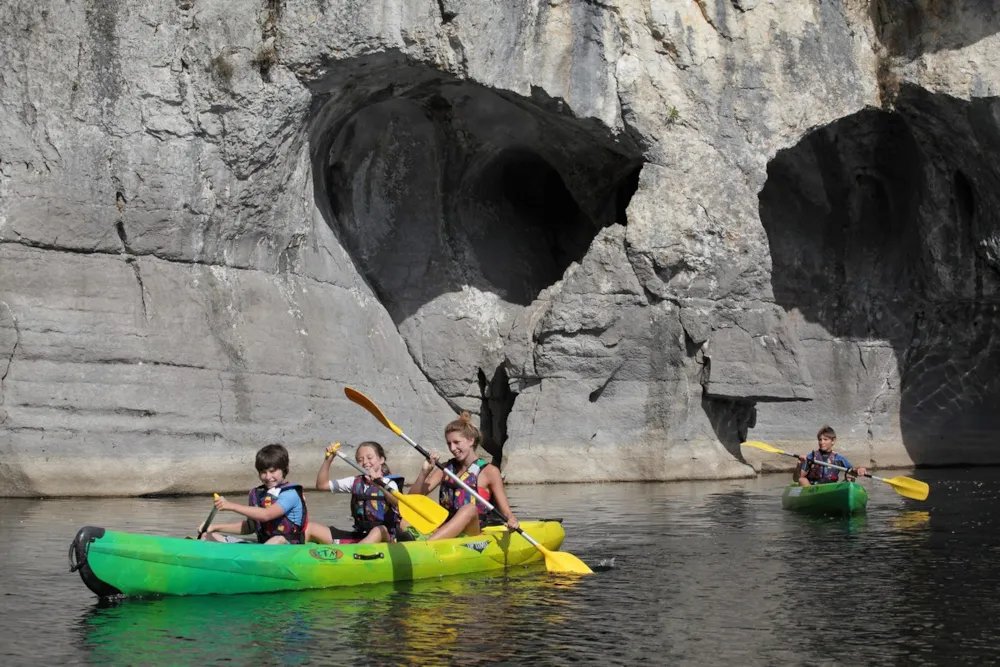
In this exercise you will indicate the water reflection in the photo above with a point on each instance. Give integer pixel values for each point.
(413, 623)
(911, 521)
(822, 527)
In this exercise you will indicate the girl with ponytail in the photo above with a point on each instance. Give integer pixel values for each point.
(465, 515)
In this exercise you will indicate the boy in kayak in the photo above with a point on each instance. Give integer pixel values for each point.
(465, 514)
(810, 473)
(376, 518)
(277, 509)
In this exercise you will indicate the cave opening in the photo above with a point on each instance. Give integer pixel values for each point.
(540, 229)
(459, 206)
(875, 225)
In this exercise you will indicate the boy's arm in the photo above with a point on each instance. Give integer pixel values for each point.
(854, 471)
(237, 528)
(804, 471)
(260, 514)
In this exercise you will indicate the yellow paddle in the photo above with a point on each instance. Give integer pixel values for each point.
(555, 561)
(904, 486)
(419, 511)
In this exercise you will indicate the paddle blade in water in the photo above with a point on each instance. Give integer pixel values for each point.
(421, 512)
(368, 405)
(561, 561)
(908, 487)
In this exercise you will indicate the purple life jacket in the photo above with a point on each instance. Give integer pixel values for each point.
(369, 508)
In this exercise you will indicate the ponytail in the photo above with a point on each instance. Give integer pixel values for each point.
(465, 426)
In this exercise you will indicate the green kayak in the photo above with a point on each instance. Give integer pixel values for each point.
(835, 498)
(113, 563)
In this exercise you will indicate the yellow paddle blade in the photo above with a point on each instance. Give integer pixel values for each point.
(561, 561)
(367, 404)
(764, 447)
(908, 487)
(420, 511)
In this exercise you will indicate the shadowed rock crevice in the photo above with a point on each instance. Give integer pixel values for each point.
(460, 205)
(9, 339)
(881, 227)
(910, 28)
(498, 401)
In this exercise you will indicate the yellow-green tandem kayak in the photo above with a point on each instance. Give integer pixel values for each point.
(115, 563)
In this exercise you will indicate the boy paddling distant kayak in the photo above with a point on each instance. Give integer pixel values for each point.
(813, 472)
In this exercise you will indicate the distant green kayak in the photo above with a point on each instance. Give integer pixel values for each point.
(835, 498)
(113, 563)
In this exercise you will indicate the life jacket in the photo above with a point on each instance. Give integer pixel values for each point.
(369, 508)
(295, 534)
(452, 496)
(817, 474)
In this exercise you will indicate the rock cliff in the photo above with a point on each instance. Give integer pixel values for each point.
(627, 234)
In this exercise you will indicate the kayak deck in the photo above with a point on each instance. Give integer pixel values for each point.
(835, 498)
(116, 563)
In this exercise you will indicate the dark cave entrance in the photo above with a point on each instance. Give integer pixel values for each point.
(439, 188)
(880, 226)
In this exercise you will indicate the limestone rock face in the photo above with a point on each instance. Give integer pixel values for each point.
(627, 234)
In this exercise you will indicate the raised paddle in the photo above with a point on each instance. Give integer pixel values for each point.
(555, 561)
(419, 511)
(208, 521)
(904, 486)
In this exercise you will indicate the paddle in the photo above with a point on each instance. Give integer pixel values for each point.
(904, 486)
(555, 561)
(426, 515)
(208, 521)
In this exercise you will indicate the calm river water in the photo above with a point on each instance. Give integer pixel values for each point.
(689, 574)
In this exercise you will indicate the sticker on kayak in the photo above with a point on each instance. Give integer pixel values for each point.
(478, 547)
(326, 553)
(797, 491)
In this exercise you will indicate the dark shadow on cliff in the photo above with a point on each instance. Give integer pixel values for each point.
(910, 28)
(452, 185)
(884, 227)
(441, 188)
